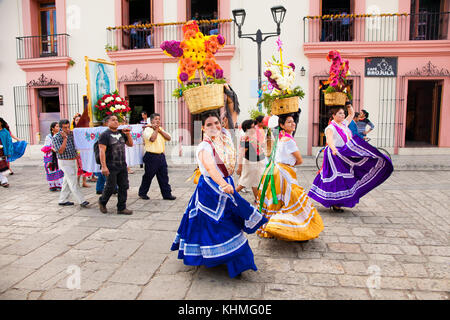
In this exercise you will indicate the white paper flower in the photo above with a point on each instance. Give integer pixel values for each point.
(273, 122)
(118, 99)
(112, 109)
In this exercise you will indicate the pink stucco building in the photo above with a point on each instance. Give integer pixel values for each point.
(43, 70)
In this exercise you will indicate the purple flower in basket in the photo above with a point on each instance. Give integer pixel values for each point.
(172, 47)
(274, 83)
(268, 74)
(184, 76)
(219, 74)
(221, 39)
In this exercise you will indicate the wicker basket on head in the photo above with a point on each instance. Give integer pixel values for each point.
(286, 105)
(204, 98)
(335, 99)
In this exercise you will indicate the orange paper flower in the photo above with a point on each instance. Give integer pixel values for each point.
(190, 25)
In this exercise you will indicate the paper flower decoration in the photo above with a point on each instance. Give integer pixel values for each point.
(195, 52)
(339, 71)
(273, 122)
(280, 76)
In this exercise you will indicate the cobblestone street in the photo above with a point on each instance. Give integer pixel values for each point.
(393, 245)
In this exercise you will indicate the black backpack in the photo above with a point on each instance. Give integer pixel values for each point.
(97, 153)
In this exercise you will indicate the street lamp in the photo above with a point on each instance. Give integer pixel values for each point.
(302, 71)
(278, 13)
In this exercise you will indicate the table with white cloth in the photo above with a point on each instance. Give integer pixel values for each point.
(85, 139)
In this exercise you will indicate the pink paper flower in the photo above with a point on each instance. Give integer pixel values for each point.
(221, 39)
(184, 76)
(219, 73)
(279, 44)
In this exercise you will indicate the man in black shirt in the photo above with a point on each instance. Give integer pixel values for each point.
(111, 145)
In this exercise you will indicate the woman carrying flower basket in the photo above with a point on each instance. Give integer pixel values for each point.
(351, 166)
(211, 232)
(292, 215)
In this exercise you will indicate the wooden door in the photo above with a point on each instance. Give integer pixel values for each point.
(125, 22)
(47, 29)
(436, 112)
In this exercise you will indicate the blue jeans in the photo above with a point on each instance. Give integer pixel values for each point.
(101, 180)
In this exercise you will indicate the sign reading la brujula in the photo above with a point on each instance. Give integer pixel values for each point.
(381, 67)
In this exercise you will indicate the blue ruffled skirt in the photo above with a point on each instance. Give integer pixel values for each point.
(212, 229)
(19, 149)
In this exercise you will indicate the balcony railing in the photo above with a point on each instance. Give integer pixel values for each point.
(52, 45)
(376, 27)
(149, 36)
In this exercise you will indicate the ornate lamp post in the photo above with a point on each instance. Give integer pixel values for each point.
(278, 13)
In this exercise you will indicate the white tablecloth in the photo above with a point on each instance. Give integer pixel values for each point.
(86, 137)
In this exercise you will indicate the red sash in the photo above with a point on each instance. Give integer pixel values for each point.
(219, 161)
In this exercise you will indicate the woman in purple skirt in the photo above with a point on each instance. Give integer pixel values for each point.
(351, 166)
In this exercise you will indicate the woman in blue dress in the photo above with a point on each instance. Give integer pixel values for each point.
(212, 228)
(13, 150)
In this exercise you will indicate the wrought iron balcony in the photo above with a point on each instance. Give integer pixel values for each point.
(149, 36)
(52, 45)
(376, 27)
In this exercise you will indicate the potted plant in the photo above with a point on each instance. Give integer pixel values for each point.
(195, 55)
(338, 90)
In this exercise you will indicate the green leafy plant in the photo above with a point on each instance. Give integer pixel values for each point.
(111, 48)
(254, 113)
(267, 98)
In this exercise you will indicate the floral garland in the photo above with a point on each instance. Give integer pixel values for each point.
(150, 25)
(112, 104)
(365, 15)
(339, 71)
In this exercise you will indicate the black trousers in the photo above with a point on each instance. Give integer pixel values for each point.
(155, 164)
(119, 179)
